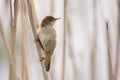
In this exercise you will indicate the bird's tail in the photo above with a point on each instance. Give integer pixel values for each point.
(47, 63)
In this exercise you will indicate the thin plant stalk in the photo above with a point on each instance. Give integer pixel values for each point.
(64, 41)
(9, 52)
(23, 44)
(34, 13)
(23, 56)
(13, 33)
(111, 76)
(11, 72)
(118, 41)
(34, 29)
(94, 43)
(51, 7)
(51, 12)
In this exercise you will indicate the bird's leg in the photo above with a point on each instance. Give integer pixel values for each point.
(37, 39)
(42, 57)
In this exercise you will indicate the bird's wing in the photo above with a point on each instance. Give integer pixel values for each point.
(40, 42)
(48, 42)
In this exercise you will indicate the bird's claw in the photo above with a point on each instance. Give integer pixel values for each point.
(41, 59)
(36, 40)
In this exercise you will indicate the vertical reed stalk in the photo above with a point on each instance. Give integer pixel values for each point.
(13, 34)
(94, 41)
(64, 40)
(111, 76)
(23, 52)
(51, 12)
(23, 56)
(23, 44)
(32, 18)
(34, 13)
(118, 42)
(9, 52)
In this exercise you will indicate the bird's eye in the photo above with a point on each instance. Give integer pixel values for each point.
(51, 19)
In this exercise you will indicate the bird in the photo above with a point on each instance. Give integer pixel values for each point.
(47, 38)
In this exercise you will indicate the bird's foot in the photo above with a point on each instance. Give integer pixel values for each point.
(42, 58)
(36, 40)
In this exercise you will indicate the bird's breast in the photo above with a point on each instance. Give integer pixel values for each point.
(48, 39)
(48, 32)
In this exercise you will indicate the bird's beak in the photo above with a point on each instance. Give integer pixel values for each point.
(58, 18)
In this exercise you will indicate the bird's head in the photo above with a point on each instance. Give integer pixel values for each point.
(48, 21)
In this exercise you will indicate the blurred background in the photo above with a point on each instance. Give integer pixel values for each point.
(88, 40)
